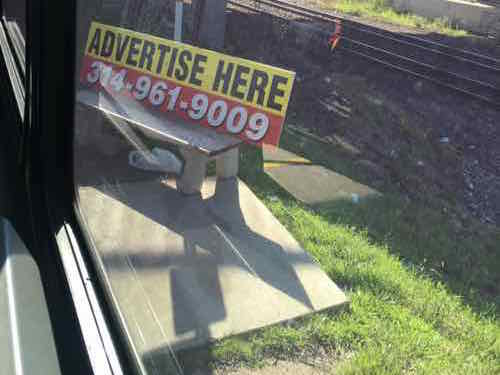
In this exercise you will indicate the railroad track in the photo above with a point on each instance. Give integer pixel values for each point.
(467, 72)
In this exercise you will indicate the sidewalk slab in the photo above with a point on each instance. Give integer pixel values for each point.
(309, 183)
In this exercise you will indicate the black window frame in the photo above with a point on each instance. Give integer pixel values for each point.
(48, 169)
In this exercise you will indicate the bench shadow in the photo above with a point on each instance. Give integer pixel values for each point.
(208, 223)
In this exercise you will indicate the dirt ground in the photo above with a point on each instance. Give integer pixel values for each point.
(310, 362)
(284, 368)
(430, 143)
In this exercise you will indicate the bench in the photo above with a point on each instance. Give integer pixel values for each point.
(197, 144)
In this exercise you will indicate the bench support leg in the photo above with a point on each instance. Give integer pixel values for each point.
(226, 164)
(193, 175)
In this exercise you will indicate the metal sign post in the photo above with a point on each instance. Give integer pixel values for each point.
(179, 8)
(210, 23)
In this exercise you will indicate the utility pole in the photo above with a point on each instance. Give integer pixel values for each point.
(209, 23)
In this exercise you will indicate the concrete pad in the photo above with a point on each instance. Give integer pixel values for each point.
(185, 270)
(309, 183)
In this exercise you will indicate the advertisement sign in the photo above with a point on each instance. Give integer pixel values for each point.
(227, 94)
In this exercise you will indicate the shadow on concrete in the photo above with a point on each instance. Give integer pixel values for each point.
(203, 223)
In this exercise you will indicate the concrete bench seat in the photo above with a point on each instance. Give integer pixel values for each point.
(197, 145)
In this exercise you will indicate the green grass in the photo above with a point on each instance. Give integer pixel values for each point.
(423, 290)
(381, 10)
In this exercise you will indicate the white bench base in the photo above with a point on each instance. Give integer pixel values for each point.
(195, 166)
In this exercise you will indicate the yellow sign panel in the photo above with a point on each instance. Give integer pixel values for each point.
(261, 86)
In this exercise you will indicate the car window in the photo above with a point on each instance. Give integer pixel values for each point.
(290, 186)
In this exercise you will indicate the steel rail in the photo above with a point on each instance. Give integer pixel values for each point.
(494, 99)
(285, 5)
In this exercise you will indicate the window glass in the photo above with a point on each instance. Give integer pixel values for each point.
(291, 186)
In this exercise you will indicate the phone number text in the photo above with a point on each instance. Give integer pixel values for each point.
(166, 97)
